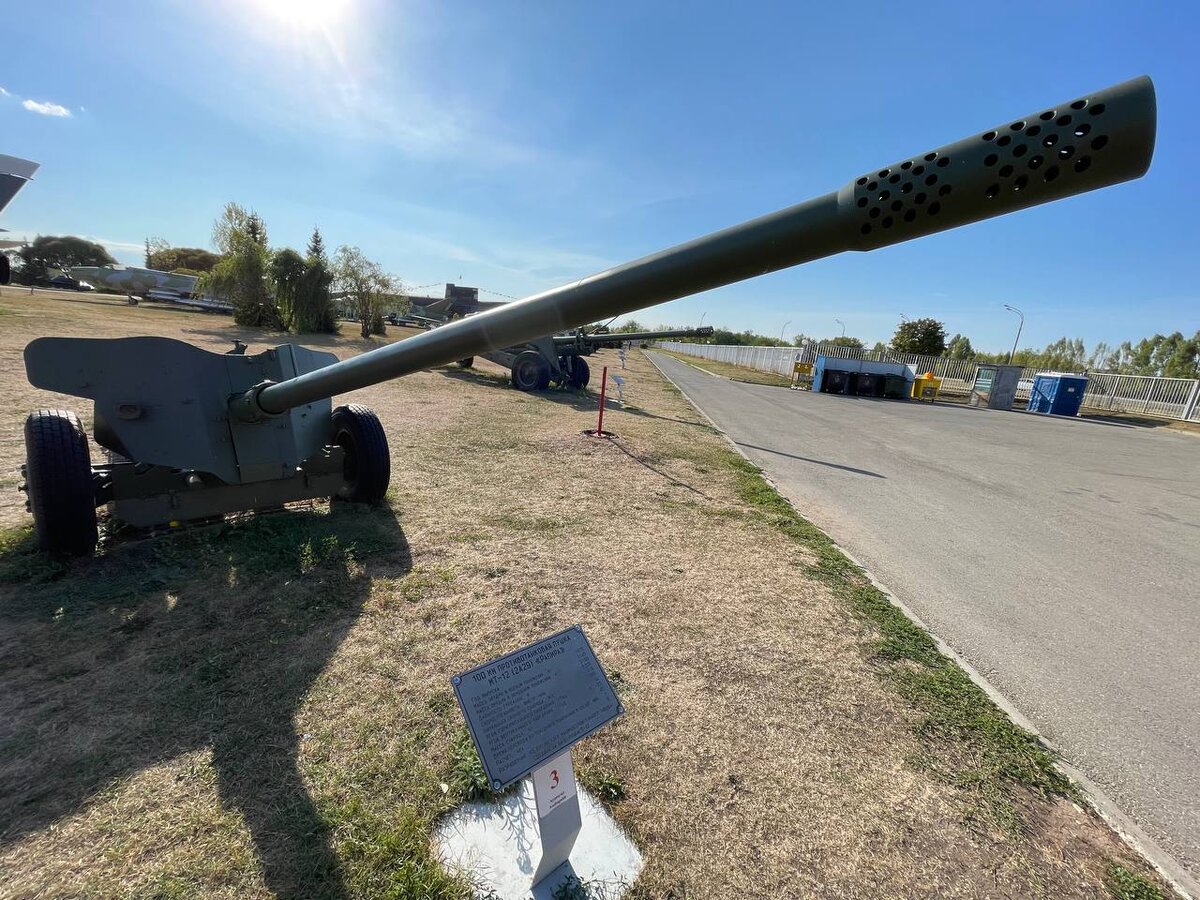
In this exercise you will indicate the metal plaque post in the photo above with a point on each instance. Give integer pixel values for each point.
(559, 820)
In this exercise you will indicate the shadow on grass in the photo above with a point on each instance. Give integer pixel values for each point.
(666, 476)
(203, 639)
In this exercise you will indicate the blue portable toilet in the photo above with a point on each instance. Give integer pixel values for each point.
(1057, 393)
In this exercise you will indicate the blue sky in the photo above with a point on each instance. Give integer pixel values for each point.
(517, 146)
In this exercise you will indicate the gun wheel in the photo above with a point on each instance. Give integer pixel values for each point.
(466, 363)
(578, 373)
(58, 472)
(367, 468)
(530, 372)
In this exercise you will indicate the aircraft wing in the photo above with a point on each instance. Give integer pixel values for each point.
(14, 172)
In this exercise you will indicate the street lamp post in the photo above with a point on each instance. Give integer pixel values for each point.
(1019, 327)
(843, 324)
(782, 330)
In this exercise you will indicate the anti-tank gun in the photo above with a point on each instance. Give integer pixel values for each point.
(196, 434)
(559, 359)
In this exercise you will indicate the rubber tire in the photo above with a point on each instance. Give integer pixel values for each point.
(5, 270)
(530, 372)
(58, 476)
(579, 375)
(466, 363)
(368, 463)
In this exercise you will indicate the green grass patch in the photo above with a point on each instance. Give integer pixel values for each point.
(605, 786)
(20, 561)
(389, 857)
(466, 778)
(728, 370)
(969, 741)
(1124, 884)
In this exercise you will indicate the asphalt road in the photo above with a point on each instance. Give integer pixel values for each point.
(1061, 557)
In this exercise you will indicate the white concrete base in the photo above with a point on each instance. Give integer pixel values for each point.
(496, 846)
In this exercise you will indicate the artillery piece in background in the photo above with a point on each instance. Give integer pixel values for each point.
(197, 434)
(559, 359)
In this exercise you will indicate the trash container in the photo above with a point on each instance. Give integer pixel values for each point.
(926, 387)
(834, 382)
(895, 386)
(866, 384)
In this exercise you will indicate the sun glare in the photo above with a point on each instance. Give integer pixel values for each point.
(313, 15)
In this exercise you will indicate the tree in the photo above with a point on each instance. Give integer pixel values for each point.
(366, 285)
(241, 274)
(1064, 355)
(31, 270)
(170, 259)
(925, 336)
(235, 224)
(313, 308)
(316, 246)
(629, 327)
(287, 275)
(1170, 356)
(67, 251)
(960, 347)
(843, 341)
(256, 229)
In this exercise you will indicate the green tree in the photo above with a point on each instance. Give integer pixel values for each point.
(1065, 355)
(845, 341)
(171, 259)
(287, 277)
(960, 347)
(241, 274)
(925, 336)
(30, 269)
(1170, 356)
(366, 285)
(312, 306)
(67, 251)
(316, 246)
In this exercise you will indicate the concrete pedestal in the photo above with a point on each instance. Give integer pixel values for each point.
(498, 848)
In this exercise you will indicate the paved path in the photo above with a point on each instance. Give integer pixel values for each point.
(1061, 557)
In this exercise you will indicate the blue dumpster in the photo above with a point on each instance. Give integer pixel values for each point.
(1057, 394)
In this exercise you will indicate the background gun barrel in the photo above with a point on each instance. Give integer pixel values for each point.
(1093, 141)
(619, 337)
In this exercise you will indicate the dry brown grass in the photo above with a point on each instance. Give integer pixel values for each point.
(218, 714)
(730, 371)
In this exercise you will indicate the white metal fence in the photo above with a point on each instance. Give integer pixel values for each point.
(1174, 398)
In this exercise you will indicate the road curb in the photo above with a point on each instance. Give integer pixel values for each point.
(1104, 806)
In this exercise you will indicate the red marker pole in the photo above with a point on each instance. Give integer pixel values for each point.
(603, 385)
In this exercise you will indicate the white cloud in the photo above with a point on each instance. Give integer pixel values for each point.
(47, 109)
(4, 93)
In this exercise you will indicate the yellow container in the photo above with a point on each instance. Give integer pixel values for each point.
(802, 376)
(926, 387)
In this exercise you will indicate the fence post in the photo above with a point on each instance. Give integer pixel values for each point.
(1189, 408)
